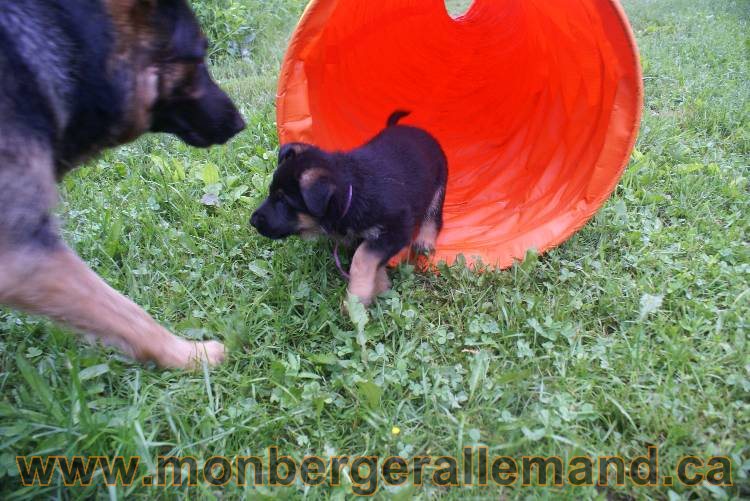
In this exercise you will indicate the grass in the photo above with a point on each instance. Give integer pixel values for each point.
(633, 333)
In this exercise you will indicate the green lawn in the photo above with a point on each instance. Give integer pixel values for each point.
(633, 333)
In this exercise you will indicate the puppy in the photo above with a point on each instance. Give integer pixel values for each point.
(387, 194)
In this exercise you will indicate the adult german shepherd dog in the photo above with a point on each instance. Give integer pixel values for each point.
(78, 76)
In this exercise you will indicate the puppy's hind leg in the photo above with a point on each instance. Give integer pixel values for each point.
(56, 283)
(431, 225)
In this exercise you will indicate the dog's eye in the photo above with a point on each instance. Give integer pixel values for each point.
(279, 196)
(291, 202)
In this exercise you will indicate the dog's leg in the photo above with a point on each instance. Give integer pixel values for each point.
(382, 282)
(368, 275)
(431, 225)
(426, 238)
(40, 275)
(363, 273)
(58, 284)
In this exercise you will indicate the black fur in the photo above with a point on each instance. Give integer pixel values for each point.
(396, 116)
(200, 122)
(69, 88)
(97, 99)
(394, 179)
(76, 77)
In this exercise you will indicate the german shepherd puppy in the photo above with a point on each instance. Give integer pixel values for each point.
(383, 194)
(78, 76)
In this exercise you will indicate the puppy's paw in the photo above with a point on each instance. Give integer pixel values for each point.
(356, 299)
(356, 311)
(423, 248)
(382, 282)
(426, 239)
(191, 354)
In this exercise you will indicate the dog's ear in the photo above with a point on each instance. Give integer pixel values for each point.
(317, 189)
(291, 150)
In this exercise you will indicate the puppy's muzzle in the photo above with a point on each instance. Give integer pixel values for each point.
(272, 224)
(257, 220)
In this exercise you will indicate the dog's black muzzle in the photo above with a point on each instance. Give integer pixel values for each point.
(270, 223)
(207, 118)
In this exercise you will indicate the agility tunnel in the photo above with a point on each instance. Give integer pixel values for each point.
(537, 104)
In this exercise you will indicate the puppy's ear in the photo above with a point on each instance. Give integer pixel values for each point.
(291, 150)
(317, 194)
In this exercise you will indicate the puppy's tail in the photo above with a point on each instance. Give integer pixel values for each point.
(396, 116)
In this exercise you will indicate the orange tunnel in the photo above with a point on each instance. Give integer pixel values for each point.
(537, 104)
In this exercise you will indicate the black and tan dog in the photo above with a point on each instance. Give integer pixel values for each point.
(388, 194)
(77, 76)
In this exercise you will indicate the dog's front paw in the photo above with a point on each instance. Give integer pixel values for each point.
(356, 310)
(213, 352)
(382, 282)
(354, 298)
(426, 239)
(191, 354)
(421, 249)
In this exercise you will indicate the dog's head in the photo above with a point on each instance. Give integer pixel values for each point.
(160, 44)
(303, 197)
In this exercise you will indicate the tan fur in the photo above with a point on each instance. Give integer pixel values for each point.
(427, 236)
(59, 285)
(363, 274)
(135, 37)
(382, 282)
(147, 92)
(131, 20)
(308, 226)
(309, 177)
(428, 231)
(436, 205)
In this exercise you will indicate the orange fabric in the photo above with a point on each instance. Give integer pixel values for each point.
(537, 104)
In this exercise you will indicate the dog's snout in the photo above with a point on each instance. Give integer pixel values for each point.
(257, 219)
(239, 123)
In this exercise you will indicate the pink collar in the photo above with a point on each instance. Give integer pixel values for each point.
(348, 203)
